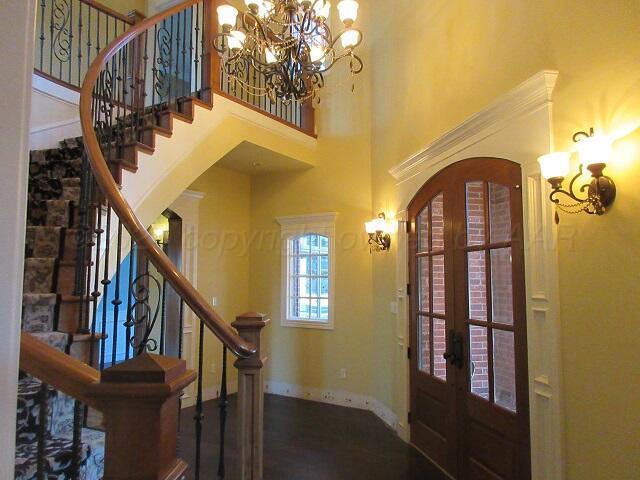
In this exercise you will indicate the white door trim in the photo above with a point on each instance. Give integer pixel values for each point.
(517, 126)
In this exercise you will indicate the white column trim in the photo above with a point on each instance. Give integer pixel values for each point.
(187, 206)
(17, 33)
(518, 126)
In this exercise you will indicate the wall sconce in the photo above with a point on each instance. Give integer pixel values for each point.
(594, 152)
(160, 234)
(379, 237)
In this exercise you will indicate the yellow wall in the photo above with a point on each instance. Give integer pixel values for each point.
(439, 62)
(126, 6)
(223, 260)
(340, 183)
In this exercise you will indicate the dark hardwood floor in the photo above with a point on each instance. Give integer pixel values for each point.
(310, 441)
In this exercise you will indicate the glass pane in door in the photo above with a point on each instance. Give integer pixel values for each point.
(422, 227)
(475, 213)
(439, 349)
(477, 285)
(479, 361)
(437, 223)
(501, 286)
(504, 369)
(437, 281)
(423, 282)
(424, 344)
(499, 213)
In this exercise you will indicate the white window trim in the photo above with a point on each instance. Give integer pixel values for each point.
(298, 225)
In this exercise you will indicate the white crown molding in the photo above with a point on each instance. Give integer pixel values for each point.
(335, 397)
(526, 98)
(311, 218)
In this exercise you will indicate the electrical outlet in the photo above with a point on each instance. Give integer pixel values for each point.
(393, 307)
(214, 302)
(343, 373)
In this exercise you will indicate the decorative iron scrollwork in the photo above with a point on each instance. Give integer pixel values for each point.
(143, 315)
(162, 72)
(62, 37)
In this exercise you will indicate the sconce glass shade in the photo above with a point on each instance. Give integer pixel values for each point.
(316, 54)
(594, 150)
(270, 56)
(555, 164)
(227, 15)
(350, 38)
(371, 227)
(323, 10)
(348, 10)
(236, 39)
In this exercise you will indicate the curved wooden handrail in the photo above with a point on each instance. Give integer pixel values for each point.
(59, 370)
(123, 210)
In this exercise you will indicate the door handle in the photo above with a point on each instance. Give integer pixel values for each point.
(455, 354)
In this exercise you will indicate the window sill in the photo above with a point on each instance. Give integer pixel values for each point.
(318, 325)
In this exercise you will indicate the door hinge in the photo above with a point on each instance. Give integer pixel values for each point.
(409, 353)
(409, 289)
(409, 418)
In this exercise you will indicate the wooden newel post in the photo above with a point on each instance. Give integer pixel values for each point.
(140, 402)
(250, 398)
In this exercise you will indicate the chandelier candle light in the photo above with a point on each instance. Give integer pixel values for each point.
(288, 44)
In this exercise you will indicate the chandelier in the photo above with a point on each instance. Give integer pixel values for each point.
(280, 49)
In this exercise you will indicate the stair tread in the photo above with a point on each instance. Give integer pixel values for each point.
(58, 340)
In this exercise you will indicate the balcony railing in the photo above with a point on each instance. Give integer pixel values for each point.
(71, 33)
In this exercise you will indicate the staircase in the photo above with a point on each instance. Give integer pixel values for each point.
(78, 419)
(45, 425)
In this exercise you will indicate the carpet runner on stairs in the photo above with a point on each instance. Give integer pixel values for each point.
(49, 276)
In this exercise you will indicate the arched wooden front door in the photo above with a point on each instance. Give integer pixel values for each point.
(469, 392)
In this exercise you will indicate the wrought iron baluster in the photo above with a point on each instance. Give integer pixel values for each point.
(129, 322)
(70, 41)
(170, 61)
(89, 45)
(163, 317)
(179, 88)
(192, 87)
(98, 32)
(106, 281)
(199, 417)
(43, 6)
(80, 25)
(116, 302)
(95, 295)
(184, 55)
(222, 405)
(81, 240)
(197, 57)
(154, 69)
(51, 39)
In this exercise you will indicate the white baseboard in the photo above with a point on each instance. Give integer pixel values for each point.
(335, 397)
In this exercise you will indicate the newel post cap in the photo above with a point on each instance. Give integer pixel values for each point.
(249, 326)
(161, 375)
(250, 321)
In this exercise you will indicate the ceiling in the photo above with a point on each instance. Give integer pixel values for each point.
(251, 159)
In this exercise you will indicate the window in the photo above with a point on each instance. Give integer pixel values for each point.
(307, 270)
